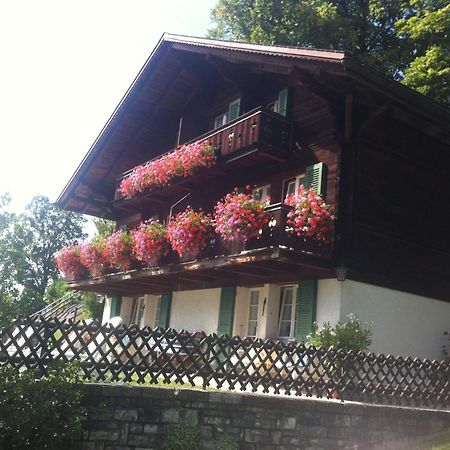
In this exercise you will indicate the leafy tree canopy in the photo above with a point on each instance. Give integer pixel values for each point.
(28, 243)
(405, 39)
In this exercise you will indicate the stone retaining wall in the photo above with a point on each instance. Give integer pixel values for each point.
(138, 418)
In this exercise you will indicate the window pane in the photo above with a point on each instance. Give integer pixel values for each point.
(285, 329)
(285, 325)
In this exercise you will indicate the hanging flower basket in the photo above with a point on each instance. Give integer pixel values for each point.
(69, 263)
(183, 162)
(239, 217)
(310, 217)
(150, 242)
(118, 248)
(93, 256)
(190, 232)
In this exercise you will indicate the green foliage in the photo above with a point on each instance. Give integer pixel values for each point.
(92, 305)
(407, 38)
(27, 246)
(39, 413)
(183, 437)
(425, 27)
(105, 227)
(226, 442)
(349, 335)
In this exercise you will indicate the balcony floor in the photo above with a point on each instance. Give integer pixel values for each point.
(248, 268)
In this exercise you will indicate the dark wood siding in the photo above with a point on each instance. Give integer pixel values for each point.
(401, 211)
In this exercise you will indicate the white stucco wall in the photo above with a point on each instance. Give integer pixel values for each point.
(328, 305)
(402, 324)
(195, 310)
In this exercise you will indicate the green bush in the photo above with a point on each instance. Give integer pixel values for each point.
(349, 335)
(226, 442)
(183, 437)
(39, 412)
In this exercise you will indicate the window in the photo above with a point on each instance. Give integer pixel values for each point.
(138, 311)
(234, 109)
(252, 327)
(291, 186)
(286, 321)
(280, 105)
(261, 192)
(220, 120)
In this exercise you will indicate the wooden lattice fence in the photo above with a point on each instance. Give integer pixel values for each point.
(122, 353)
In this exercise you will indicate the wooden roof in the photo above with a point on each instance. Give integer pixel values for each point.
(177, 69)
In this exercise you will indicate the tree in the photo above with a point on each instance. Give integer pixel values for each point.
(8, 289)
(28, 244)
(426, 27)
(383, 34)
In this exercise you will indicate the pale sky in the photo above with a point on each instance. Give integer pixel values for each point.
(65, 65)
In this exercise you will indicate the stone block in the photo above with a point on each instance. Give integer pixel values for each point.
(103, 435)
(126, 415)
(136, 428)
(151, 429)
(315, 432)
(286, 423)
(177, 415)
(150, 415)
(265, 421)
(216, 420)
(141, 440)
(256, 436)
(124, 433)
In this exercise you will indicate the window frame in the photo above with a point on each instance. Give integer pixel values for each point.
(137, 314)
(293, 318)
(265, 192)
(298, 181)
(258, 305)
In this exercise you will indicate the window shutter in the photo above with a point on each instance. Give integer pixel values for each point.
(234, 109)
(316, 177)
(305, 308)
(164, 310)
(116, 304)
(226, 311)
(283, 98)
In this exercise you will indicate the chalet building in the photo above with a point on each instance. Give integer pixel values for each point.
(279, 118)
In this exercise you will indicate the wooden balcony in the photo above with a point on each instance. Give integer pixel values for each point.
(255, 136)
(278, 256)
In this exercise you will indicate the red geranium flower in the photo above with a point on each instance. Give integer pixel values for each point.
(150, 242)
(240, 216)
(310, 217)
(190, 232)
(184, 161)
(69, 263)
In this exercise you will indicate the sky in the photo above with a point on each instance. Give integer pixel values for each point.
(65, 65)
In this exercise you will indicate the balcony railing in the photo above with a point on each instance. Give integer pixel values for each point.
(257, 132)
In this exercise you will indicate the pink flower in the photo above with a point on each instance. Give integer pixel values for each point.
(239, 215)
(190, 231)
(310, 217)
(182, 162)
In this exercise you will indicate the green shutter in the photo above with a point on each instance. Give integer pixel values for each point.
(164, 310)
(116, 304)
(305, 313)
(316, 177)
(234, 109)
(283, 98)
(226, 311)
